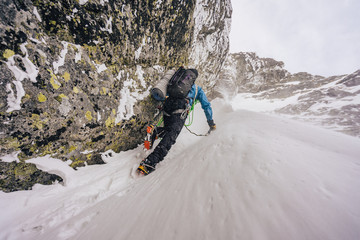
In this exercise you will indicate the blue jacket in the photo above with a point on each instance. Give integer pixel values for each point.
(201, 96)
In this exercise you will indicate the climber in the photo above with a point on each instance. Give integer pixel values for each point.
(175, 111)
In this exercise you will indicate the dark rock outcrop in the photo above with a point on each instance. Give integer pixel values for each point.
(22, 176)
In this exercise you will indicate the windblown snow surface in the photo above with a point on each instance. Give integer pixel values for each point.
(257, 176)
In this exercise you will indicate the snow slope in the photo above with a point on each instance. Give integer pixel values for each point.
(256, 177)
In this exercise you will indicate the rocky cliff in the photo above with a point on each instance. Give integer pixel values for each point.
(332, 102)
(211, 41)
(75, 74)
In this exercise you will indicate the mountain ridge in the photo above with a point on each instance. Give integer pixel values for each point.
(332, 102)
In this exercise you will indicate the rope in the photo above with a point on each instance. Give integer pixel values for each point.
(191, 114)
(191, 120)
(160, 122)
(198, 135)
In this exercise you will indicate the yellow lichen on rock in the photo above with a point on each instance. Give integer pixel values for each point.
(88, 116)
(72, 148)
(110, 121)
(41, 97)
(77, 163)
(25, 98)
(76, 90)
(103, 91)
(66, 76)
(10, 142)
(36, 121)
(63, 96)
(8, 53)
(54, 82)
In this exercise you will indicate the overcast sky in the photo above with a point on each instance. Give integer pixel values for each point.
(317, 36)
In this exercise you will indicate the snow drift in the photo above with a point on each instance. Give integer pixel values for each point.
(256, 177)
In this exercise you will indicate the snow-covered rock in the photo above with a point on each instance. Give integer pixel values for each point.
(333, 102)
(211, 39)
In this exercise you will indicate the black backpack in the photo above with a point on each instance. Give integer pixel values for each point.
(181, 82)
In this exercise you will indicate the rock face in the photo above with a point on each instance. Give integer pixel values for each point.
(332, 102)
(22, 176)
(75, 74)
(246, 72)
(211, 41)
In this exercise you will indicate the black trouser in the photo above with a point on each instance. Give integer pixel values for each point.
(172, 128)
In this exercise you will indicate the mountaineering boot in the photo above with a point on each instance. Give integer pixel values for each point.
(145, 167)
(212, 125)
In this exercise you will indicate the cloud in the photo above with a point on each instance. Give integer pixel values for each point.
(320, 37)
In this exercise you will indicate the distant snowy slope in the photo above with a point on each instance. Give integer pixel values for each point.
(332, 102)
(334, 105)
(255, 177)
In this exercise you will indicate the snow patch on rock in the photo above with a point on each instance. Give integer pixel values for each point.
(31, 72)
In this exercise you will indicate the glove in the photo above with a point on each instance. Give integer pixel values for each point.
(212, 125)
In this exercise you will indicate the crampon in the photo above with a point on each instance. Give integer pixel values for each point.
(144, 168)
(142, 171)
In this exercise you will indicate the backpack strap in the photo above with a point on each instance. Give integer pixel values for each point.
(182, 111)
